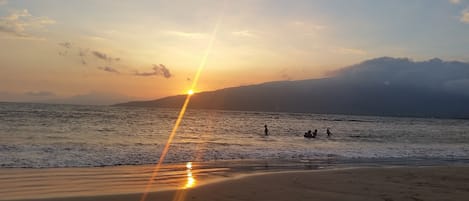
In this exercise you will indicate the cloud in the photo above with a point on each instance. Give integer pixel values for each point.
(39, 93)
(307, 28)
(243, 33)
(20, 24)
(455, 1)
(186, 34)
(353, 51)
(465, 16)
(103, 56)
(85, 53)
(108, 69)
(66, 45)
(434, 74)
(158, 70)
(3, 2)
(100, 55)
(82, 53)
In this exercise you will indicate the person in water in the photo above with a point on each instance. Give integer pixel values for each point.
(308, 134)
(315, 133)
(328, 132)
(266, 131)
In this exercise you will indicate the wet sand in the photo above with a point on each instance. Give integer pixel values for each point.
(380, 183)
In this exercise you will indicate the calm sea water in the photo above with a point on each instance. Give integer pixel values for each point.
(41, 135)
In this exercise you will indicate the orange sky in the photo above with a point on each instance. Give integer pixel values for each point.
(56, 49)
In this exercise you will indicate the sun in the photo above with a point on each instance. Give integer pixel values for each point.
(190, 92)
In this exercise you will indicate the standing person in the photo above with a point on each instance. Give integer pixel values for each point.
(328, 132)
(266, 131)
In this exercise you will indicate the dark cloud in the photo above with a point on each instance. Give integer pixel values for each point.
(100, 55)
(66, 45)
(82, 54)
(434, 74)
(158, 70)
(86, 55)
(39, 93)
(108, 69)
(104, 56)
(162, 68)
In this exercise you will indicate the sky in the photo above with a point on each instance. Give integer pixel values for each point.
(118, 50)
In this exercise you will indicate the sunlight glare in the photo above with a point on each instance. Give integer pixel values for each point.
(190, 92)
(190, 179)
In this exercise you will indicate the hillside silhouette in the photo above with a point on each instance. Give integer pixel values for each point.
(382, 86)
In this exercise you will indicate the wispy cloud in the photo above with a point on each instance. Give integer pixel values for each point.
(21, 23)
(158, 70)
(108, 69)
(308, 27)
(352, 51)
(186, 34)
(82, 54)
(3, 2)
(465, 16)
(86, 53)
(103, 56)
(243, 33)
(67, 45)
(455, 1)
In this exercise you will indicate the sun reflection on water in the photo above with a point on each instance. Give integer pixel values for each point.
(190, 179)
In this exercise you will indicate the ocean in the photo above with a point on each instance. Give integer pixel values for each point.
(52, 136)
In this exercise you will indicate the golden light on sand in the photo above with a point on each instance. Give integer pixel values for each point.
(190, 179)
(190, 182)
(190, 92)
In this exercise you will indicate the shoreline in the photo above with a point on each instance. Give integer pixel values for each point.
(128, 183)
(396, 183)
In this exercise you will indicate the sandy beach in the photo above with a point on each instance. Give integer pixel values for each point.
(372, 183)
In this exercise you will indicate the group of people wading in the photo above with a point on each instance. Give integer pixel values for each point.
(308, 134)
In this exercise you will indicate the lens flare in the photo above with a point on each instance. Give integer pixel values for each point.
(180, 195)
(190, 92)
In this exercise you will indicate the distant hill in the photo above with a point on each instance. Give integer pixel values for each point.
(383, 86)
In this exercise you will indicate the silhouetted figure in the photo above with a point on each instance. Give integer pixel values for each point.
(328, 132)
(309, 135)
(315, 133)
(266, 131)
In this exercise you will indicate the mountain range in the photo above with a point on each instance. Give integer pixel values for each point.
(383, 86)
